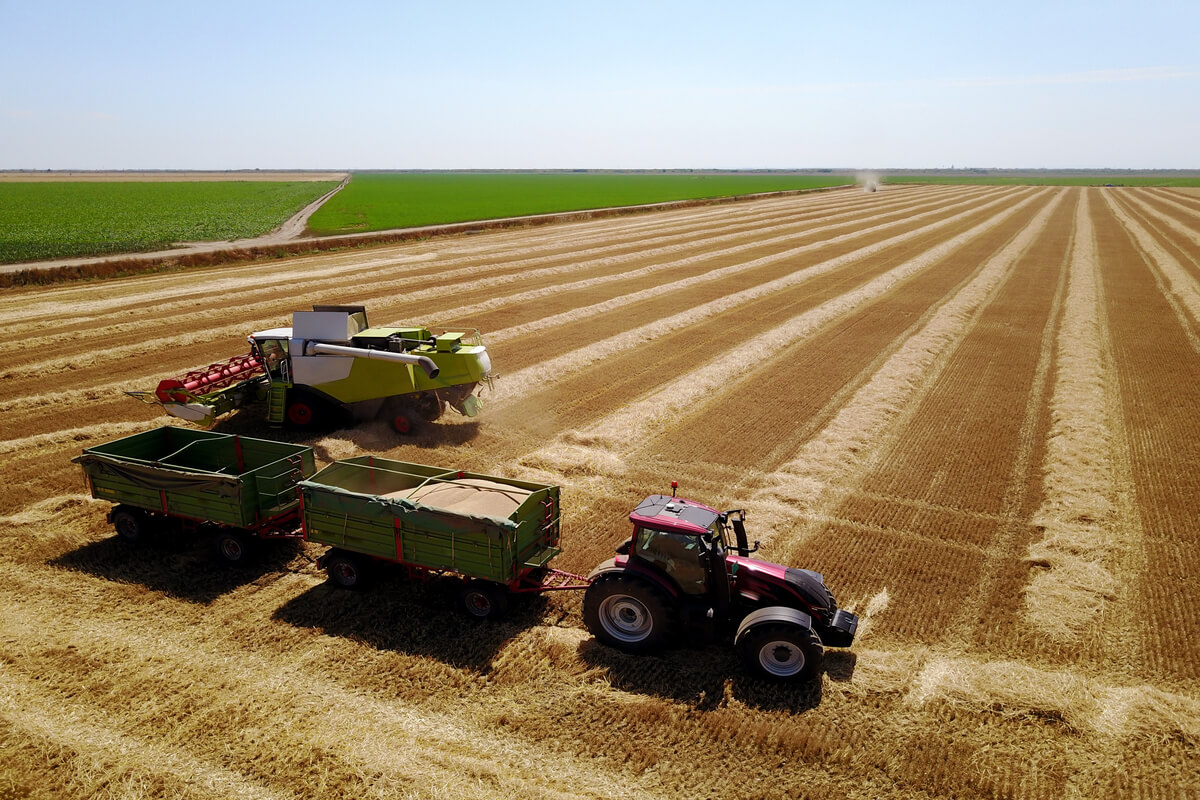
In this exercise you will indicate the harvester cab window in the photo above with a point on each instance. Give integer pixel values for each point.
(274, 357)
(679, 555)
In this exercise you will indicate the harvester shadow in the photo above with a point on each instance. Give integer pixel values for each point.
(187, 568)
(411, 617)
(368, 435)
(709, 677)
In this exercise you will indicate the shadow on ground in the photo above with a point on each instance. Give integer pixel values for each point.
(412, 617)
(708, 677)
(183, 566)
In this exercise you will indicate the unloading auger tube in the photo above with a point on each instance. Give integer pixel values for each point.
(320, 348)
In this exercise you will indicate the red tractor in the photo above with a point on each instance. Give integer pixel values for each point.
(678, 577)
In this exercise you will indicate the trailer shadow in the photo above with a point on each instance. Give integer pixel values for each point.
(411, 617)
(709, 677)
(185, 568)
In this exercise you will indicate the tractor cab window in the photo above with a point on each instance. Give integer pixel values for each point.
(273, 353)
(677, 554)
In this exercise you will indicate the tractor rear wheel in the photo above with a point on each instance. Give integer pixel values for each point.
(627, 613)
(782, 652)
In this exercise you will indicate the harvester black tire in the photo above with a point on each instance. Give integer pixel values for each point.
(483, 600)
(430, 407)
(130, 524)
(627, 613)
(235, 547)
(780, 651)
(348, 571)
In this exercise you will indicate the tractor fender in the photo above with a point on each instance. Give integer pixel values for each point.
(790, 616)
(647, 577)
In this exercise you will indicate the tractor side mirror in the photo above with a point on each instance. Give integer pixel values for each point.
(623, 547)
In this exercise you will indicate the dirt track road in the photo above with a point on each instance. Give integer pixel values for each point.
(974, 409)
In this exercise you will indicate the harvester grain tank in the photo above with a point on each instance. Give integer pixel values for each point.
(331, 361)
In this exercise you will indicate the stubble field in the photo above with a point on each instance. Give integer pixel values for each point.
(974, 409)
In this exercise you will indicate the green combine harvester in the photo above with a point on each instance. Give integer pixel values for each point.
(331, 364)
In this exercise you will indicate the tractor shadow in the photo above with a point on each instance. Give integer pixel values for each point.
(708, 677)
(184, 567)
(399, 615)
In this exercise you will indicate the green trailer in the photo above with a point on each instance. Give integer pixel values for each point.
(239, 487)
(495, 535)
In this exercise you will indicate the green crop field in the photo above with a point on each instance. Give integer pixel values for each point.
(374, 202)
(65, 219)
(1046, 180)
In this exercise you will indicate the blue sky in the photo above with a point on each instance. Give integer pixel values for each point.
(375, 85)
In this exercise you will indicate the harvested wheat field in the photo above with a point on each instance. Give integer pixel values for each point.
(974, 409)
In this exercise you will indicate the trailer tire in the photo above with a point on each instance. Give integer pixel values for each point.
(347, 571)
(483, 600)
(781, 651)
(234, 547)
(131, 525)
(627, 613)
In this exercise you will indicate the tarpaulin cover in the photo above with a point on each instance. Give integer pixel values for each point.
(149, 476)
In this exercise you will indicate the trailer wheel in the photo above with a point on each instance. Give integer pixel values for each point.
(347, 571)
(131, 525)
(234, 547)
(483, 600)
(782, 652)
(627, 613)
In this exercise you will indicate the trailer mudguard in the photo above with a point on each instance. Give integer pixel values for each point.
(771, 614)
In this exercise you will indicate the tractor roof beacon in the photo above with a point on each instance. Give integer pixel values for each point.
(686, 572)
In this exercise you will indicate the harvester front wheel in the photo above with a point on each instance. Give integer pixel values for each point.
(301, 414)
(782, 652)
(627, 613)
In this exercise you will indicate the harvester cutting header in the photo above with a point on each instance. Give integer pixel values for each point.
(331, 362)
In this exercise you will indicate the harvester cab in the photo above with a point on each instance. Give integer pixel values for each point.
(331, 361)
(686, 572)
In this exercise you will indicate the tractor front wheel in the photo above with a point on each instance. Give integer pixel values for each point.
(627, 613)
(781, 652)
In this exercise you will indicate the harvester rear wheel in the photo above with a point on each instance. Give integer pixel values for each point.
(430, 406)
(627, 613)
(782, 652)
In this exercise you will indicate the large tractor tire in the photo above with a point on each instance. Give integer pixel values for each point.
(781, 651)
(627, 613)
